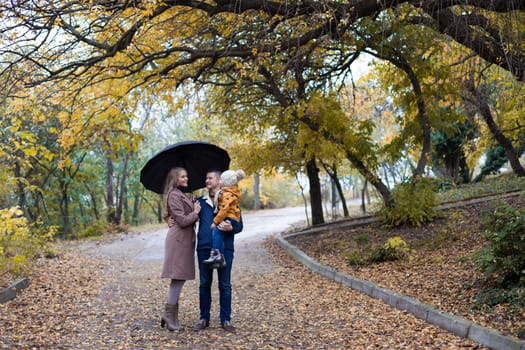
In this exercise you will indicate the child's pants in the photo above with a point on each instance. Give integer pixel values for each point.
(217, 236)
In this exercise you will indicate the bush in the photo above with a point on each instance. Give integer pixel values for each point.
(362, 239)
(20, 242)
(413, 203)
(511, 300)
(95, 229)
(98, 228)
(354, 258)
(491, 297)
(394, 248)
(504, 257)
(451, 232)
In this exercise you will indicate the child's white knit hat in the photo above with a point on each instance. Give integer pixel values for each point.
(232, 177)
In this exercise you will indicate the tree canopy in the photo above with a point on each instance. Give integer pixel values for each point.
(86, 42)
(276, 66)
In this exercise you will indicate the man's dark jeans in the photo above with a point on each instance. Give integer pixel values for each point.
(225, 288)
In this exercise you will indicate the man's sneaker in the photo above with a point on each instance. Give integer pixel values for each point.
(227, 326)
(201, 325)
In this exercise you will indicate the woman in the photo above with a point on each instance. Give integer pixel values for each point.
(179, 263)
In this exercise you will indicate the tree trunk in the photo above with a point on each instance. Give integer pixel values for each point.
(315, 192)
(64, 206)
(480, 101)
(304, 200)
(110, 199)
(422, 114)
(122, 191)
(341, 195)
(372, 178)
(135, 213)
(159, 212)
(256, 193)
(332, 172)
(31, 210)
(94, 205)
(363, 195)
(21, 191)
(385, 174)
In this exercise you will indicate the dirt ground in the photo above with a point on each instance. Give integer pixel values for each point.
(87, 299)
(438, 269)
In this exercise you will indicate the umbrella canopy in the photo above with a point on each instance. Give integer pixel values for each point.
(196, 157)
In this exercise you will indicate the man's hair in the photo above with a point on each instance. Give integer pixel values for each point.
(217, 172)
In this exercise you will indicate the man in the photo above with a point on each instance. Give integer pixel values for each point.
(204, 242)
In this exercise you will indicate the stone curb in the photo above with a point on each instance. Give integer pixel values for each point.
(10, 292)
(454, 324)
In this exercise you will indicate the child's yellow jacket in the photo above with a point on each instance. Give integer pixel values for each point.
(229, 204)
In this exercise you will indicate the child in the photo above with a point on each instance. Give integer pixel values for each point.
(228, 207)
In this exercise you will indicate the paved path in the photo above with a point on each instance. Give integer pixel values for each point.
(258, 225)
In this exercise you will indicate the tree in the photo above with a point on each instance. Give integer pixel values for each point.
(51, 153)
(331, 170)
(368, 100)
(86, 39)
(448, 155)
(309, 45)
(479, 99)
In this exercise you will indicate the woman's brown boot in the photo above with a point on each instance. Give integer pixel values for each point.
(170, 319)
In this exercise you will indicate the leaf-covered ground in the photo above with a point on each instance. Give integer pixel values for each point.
(438, 271)
(85, 300)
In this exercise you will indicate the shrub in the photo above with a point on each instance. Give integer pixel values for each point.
(354, 258)
(504, 257)
(413, 203)
(511, 300)
(443, 186)
(491, 297)
(362, 239)
(20, 242)
(451, 232)
(95, 229)
(394, 248)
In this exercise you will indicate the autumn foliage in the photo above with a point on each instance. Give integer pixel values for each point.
(20, 242)
(414, 203)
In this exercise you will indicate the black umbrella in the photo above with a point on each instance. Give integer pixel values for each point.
(196, 157)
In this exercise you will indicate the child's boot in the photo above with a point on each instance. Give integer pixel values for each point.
(220, 262)
(215, 255)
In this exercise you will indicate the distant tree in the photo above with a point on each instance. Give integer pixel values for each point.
(479, 99)
(448, 152)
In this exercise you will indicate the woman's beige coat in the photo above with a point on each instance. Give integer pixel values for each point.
(179, 254)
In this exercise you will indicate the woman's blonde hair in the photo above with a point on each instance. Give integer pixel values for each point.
(170, 185)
